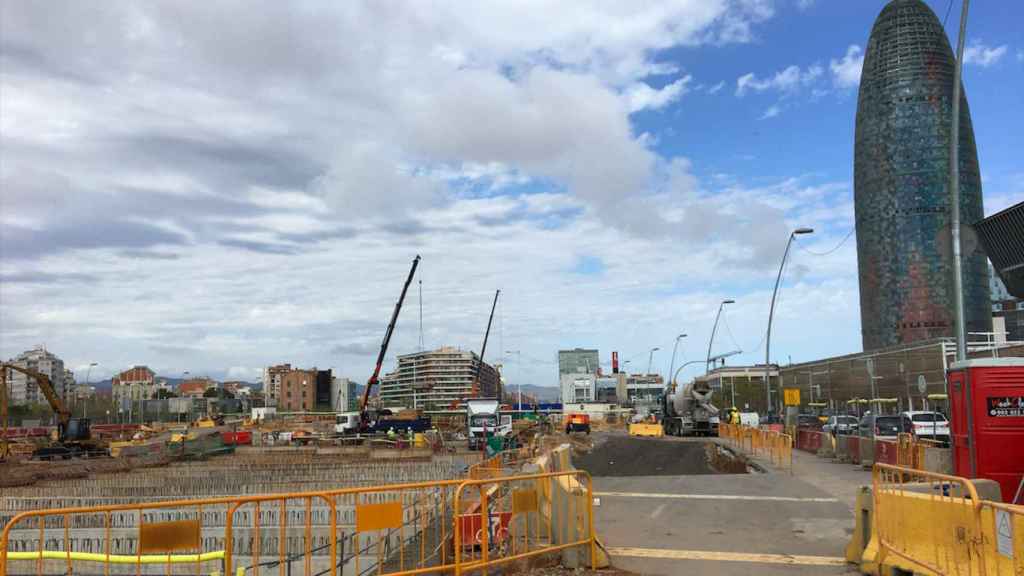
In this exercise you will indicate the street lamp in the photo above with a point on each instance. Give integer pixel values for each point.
(672, 364)
(713, 330)
(650, 358)
(680, 369)
(85, 404)
(771, 312)
(519, 376)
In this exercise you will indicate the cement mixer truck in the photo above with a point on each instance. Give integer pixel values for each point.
(689, 411)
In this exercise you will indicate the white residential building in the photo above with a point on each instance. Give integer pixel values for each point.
(25, 390)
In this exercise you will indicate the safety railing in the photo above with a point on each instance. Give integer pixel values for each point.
(1005, 522)
(925, 521)
(504, 520)
(504, 463)
(458, 526)
(777, 446)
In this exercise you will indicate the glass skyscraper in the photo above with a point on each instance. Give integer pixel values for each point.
(901, 185)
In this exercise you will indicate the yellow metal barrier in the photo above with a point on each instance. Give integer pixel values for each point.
(504, 463)
(1003, 528)
(644, 429)
(395, 530)
(510, 519)
(937, 524)
(778, 447)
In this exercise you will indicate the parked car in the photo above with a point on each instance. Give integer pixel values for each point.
(841, 425)
(883, 426)
(808, 421)
(929, 425)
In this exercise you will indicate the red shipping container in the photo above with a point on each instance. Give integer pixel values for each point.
(986, 401)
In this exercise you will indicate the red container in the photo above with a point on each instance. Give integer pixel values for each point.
(240, 438)
(986, 401)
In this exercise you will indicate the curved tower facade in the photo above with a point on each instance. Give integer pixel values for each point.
(901, 185)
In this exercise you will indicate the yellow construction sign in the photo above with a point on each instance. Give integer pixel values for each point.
(791, 396)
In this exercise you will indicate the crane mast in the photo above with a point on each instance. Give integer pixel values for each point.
(384, 345)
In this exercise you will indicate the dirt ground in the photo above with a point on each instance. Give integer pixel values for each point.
(621, 455)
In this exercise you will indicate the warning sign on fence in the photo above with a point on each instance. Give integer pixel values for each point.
(1004, 533)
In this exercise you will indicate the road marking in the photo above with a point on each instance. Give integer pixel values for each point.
(791, 559)
(712, 497)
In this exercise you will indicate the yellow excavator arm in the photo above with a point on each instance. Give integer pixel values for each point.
(43, 381)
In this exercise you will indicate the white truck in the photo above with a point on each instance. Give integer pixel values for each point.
(484, 421)
(346, 423)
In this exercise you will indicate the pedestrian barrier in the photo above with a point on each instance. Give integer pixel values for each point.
(931, 523)
(643, 429)
(400, 529)
(776, 445)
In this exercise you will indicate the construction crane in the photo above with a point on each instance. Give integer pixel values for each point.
(364, 421)
(73, 434)
(483, 350)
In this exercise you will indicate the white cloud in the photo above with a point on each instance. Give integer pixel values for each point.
(715, 89)
(983, 55)
(771, 112)
(642, 97)
(788, 80)
(846, 70)
(804, 4)
(292, 185)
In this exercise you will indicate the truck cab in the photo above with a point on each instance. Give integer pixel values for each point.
(484, 421)
(346, 423)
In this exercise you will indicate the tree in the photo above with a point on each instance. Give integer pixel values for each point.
(163, 393)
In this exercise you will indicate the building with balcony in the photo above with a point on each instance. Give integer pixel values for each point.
(25, 390)
(437, 380)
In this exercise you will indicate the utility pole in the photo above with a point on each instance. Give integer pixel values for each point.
(954, 188)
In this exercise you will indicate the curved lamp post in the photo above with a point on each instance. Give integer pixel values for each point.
(672, 364)
(771, 312)
(714, 329)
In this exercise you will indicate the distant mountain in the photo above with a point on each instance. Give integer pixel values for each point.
(542, 393)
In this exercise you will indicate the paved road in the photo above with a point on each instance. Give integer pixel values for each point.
(703, 523)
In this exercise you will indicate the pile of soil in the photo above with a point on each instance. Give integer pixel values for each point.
(633, 456)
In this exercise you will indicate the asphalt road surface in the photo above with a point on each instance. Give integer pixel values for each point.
(663, 510)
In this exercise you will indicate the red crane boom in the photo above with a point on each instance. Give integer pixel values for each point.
(384, 345)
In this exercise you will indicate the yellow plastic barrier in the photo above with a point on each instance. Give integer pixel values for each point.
(643, 429)
(929, 523)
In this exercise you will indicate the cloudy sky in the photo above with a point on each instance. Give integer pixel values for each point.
(218, 186)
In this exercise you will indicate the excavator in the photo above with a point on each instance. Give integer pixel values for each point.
(74, 437)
